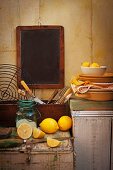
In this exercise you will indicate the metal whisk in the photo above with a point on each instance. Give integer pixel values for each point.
(8, 82)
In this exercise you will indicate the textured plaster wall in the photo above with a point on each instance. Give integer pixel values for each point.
(87, 24)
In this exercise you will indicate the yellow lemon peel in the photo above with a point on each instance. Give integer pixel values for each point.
(75, 80)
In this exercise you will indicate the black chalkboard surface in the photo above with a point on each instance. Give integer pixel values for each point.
(40, 55)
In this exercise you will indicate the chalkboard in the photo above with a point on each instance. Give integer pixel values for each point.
(40, 55)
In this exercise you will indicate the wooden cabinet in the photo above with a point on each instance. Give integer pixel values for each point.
(93, 143)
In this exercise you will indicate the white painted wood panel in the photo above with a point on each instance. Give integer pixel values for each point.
(92, 142)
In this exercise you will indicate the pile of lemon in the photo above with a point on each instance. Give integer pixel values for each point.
(47, 126)
(50, 125)
(88, 64)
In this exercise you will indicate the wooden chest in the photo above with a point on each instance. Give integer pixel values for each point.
(38, 156)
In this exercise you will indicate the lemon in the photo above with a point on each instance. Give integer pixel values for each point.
(65, 123)
(37, 133)
(53, 142)
(85, 64)
(24, 130)
(94, 65)
(49, 125)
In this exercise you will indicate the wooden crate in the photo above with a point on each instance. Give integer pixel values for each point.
(53, 110)
(8, 111)
(41, 156)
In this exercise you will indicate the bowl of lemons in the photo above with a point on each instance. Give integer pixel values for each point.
(93, 69)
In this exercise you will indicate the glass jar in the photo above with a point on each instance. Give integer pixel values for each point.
(26, 113)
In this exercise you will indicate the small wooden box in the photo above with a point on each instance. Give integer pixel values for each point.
(40, 157)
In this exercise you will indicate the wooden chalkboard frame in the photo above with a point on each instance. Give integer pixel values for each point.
(54, 73)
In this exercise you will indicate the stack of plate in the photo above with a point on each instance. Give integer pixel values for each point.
(103, 94)
(106, 78)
